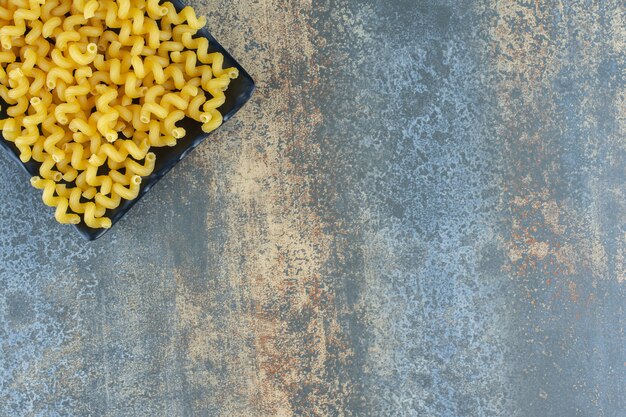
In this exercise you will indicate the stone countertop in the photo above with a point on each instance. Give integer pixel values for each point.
(421, 212)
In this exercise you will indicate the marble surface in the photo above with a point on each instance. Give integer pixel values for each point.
(421, 212)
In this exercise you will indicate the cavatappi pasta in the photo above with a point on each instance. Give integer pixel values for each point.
(92, 85)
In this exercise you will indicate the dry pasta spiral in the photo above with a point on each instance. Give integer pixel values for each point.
(91, 86)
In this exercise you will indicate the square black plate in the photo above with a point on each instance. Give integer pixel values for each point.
(239, 92)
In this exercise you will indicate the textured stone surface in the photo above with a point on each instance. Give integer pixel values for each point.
(421, 212)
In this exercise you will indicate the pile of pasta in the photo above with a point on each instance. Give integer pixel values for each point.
(93, 85)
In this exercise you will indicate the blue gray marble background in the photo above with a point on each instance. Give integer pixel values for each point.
(420, 213)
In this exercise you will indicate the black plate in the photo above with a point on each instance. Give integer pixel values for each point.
(239, 92)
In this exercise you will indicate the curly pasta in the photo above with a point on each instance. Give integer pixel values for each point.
(91, 86)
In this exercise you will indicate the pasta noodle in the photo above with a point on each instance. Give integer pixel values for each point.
(91, 86)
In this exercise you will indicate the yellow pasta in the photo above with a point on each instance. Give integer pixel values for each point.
(103, 181)
(24, 142)
(20, 107)
(58, 73)
(55, 135)
(19, 84)
(119, 152)
(131, 191)
(155, 11)
(186, 15)
(93, 220)
(65, 37)
(38, 116)
(39, 80)
(46, 170)
(170, 124)
(145, 169)
(90, 9)
(83, 58)
(92, 85)
(69, 173)
(78, 207)
(50, 25)
(61, 203)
